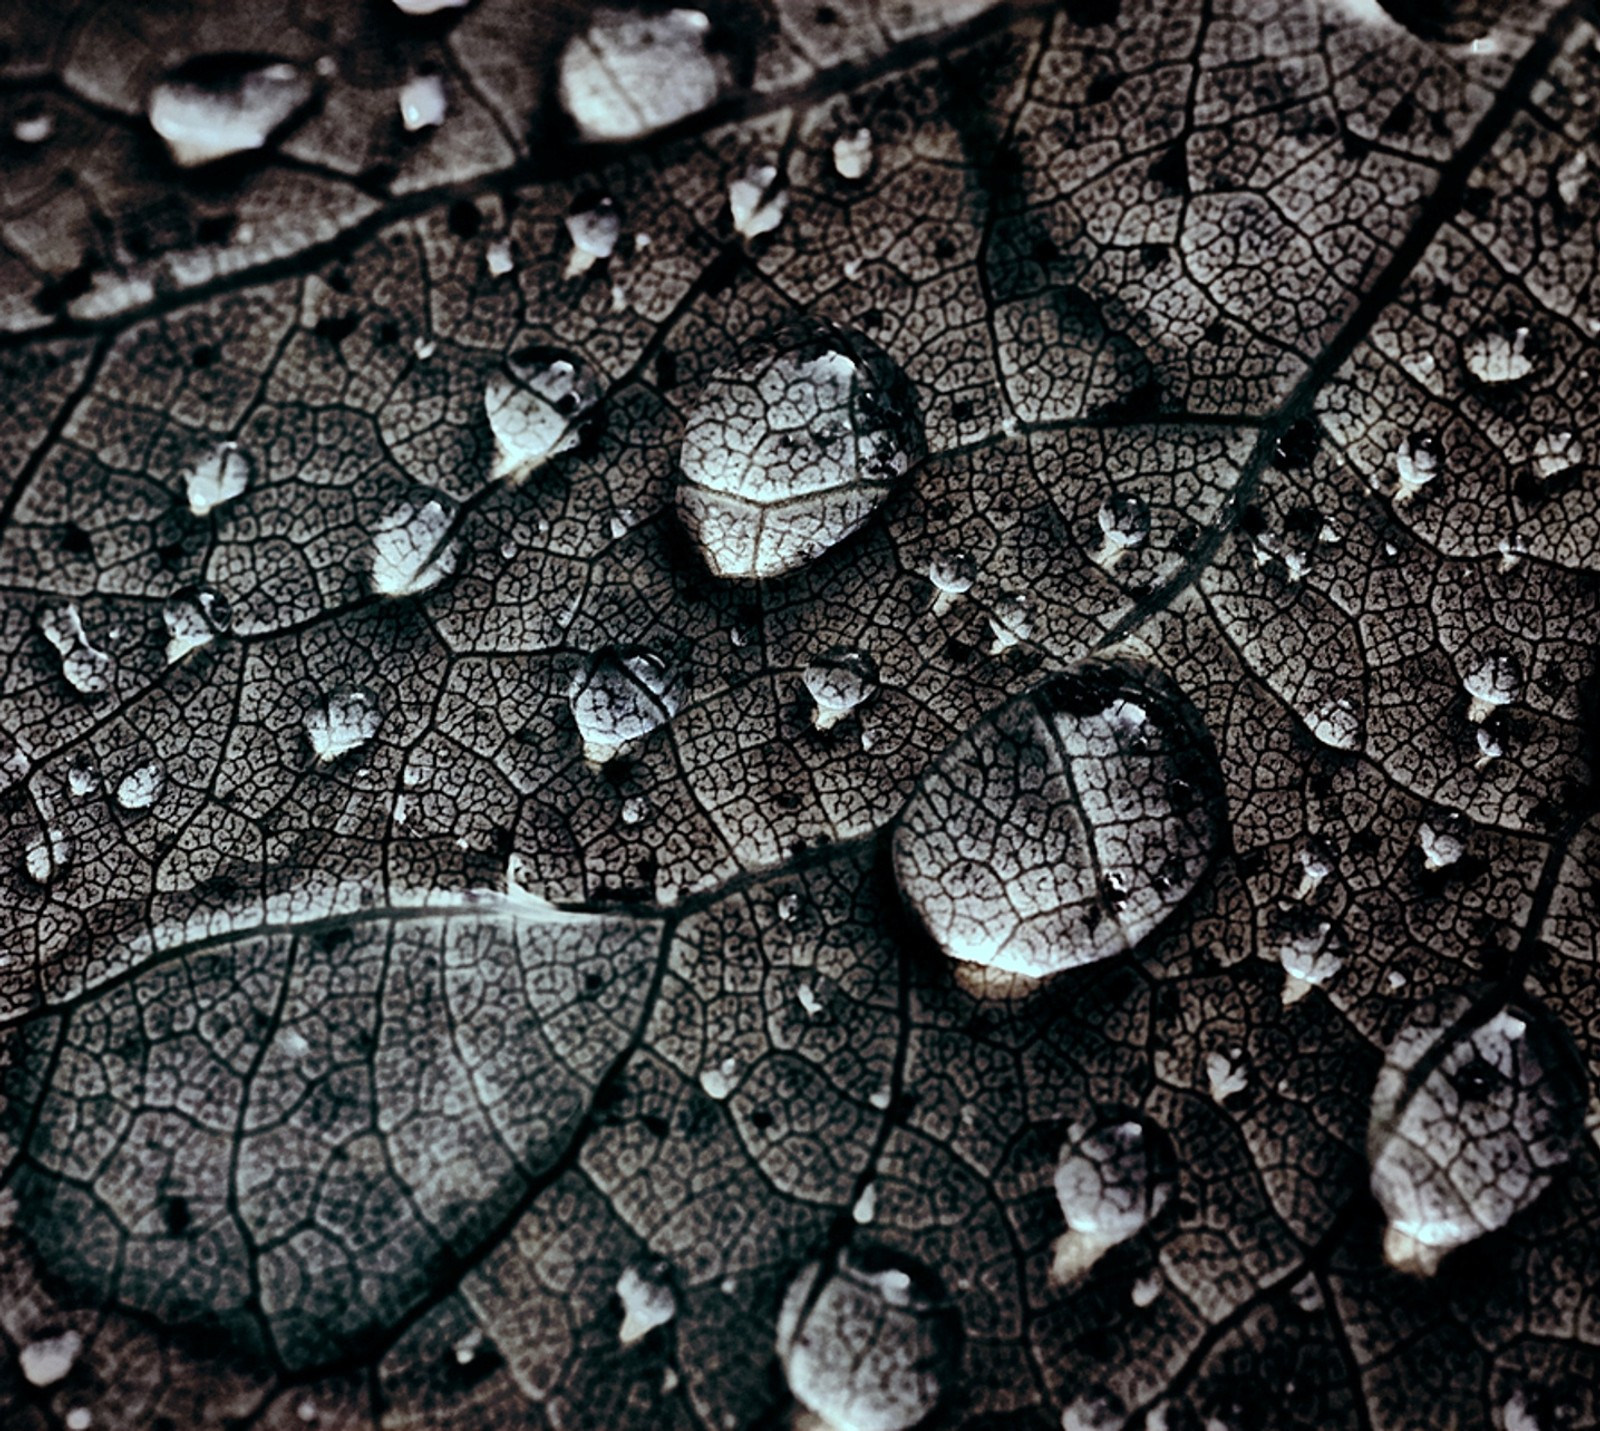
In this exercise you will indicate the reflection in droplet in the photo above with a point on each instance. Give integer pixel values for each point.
(1011, 622)
(141, 787)
(952, 574)
(47, 1360)
(1494, 680)
(869, 1342)
(194, 617)
(1416, 463)
(852, 154)
(1114, 1174)
(410, 553)
(792, 447)
(1474, 1112)
(219, 476)
(839, 681)
(757, 202)
(87, 669)
(1310, 949)
(538, 402)
(1124, 524)
(423, 102)
(219, 105)
(1066, 825)
(595, 226)
(347, 719)
(619, 696)
(629, 73)
(1443, 840)
(1498, 355)
(647, 1299)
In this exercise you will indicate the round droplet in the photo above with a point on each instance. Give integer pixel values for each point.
(1114, 1174)
(635, 809)
(48, 855)
(839, 681)
(346, 720)
(648, 1300)
(423, 102)
(788, 906)
(78, 1418)
(792, 447)
(852, 154)
(87, 669)
(47, 1360)
(595, 227)
(538, 402)
(141, 787)
(1067, 824)
(1494, 680)
(33, 126)
(219, 105)
(630, 73)
(194, 616)
(219, 476)
(952, 572)
(1499, 355)
(757, 201)
(410, 553)
(1416, 463)
(1476, 1108)
(1557, 452)
(1337, 721)
(619, 696)
(1011, 621)
(83, 777)
(869, 1342)
(1124, 523)
(498, 258)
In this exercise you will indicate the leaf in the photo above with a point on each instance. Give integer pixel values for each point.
(470, 979)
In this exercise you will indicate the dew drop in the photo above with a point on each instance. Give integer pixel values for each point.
(839, 681)
(1096, 1410)
(719, 1081)
(756, 200)
(865, 1207)
(219, 476)
(648, 1301)
(141, 787)
(429, 7)
(792, 448)
(1147, 1288)
(1557, 452)
(788, 906)
(1490, 748)
(1066, 825)
(219, 105)
(498, 258)
(48, 855)
(852, 154)
(87, 669)
(410, 553)
(1493, 681)
(1337, 722)
(952, 574)
(347, 719)
(1498, 355)
(1124, 524)
(423, 103)
(1416, 463)
(1310, 949)
(78, 1419)
(619, 696)
(1011, 621)
(870, 1342)
(538, 402)
(1113, 1175)
(1443, 840)
(595, 226)
(83, 777)
(194, 617)
(634, 809)
(1473, 1114)
(1317, 860)
(629, 74)
(1226, 1074)
(33, 127)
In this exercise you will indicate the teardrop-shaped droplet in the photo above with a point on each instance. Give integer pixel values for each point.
(619, 696)
(347, 719)
(1499, 355)
(839, 680)
(1067, 824)
(1114, 1173)
(852, 154)
(537, 403)
(87, 669)
(141, 787)
(647, 1298)
(757, 201)
(1474, 1112)
(194, 617)
(1493, 680)
(410, 551)
(595, 227)
(219, 476)
(218, 105)
(792, 447)
(1124, 524)
(1416, 463)
(869, 1340)
(629, 73)
(423, 102)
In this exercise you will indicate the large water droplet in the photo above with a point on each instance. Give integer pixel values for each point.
(423, 102)
(627, 74)
(1114, 1173)
(194, 617)
(1493, 680)
(870, 1342)
(839, 680)
(87, 669)
(648, 1301)
(1067, 824)
(218, 105)
(219, 476)
(1475, 1110)
(1124, 524)
(792, 447)
(621, 695)
(537, 402)
(409, 551)
(595, 227)
(141, 787)
(1416, 463)
(346, 720)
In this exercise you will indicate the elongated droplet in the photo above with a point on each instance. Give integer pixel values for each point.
(410, 553)
(839, 681)
(219, 105)
(194, 617)
(629, 73)
(141, 787)
(87, 669)
(619, 696)
(595, 226)
(952, 574)
(1114, 1174)
(1011, 622)
(648, 1301)
(346, 720)
(1124, 524)
(757, 202)
(218, 477)
(1416, 463)
(869, 1341)
(48, 854)
(538, 402)
(852, 154)
(1066, 825)
(1473, 1114)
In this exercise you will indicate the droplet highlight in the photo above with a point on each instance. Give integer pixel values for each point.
(347, 719)
(194, 617)
(423, 102)
(221, 475)
(141, 787)
(216, 106)
(538, 403)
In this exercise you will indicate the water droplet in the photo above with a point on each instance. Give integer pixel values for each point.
(647, 1300)
(498, 258)
(1011, 621)
(219, 105)
(595, 226)
(1337, 721)
(79, 1419)
(839, 681)
(423, 104)
(423, 347)
(1317, 860)
(1226, 1074)
(194, 616)
(307, 1410)
(719, 1081)
(756, 200)
(634, 809)
(871, 1341)
(1416, 463)
(1557, 452)
(866, 1206)
(83, 777)
(1490, 748)
(1096, 1410)
(346, 720)
(852, 154)
(1147, 1288)
(87, 669)
(537, 403)
(793, 447)
(33, 126)
(952, 574)
(1443, 840)
(621, 695)
(1067, 824)
(788, 906)
(1495, 680)
(1473, 1113)
(808, 999)
(1124, 523)
(1113, 1175)
(1310, 949)
(219, 476)
(47, 856)
(409, 551)
(429, 7)
(47, 1360)
(141, 787)
(1498, 355)
(628, 74)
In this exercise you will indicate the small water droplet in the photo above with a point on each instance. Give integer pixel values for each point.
(1490, 748)
(719, 1081)
(621, 695)
(1499, 355)
(79, 1419)
(498, 258)
(1338, 722)
(1011, 621)
(1096, 1410)
(409, 552)
(634, 809)
(628, 73)
(429, 7)
(306, 1410)
(870, 1341)
(1114, 1173)
(219, 476)
(220, 105)
(1310, 949)
(1494, 680)
(141, 787)
(808, 999)
(647, 1298)
(1443, 840)
(48, 855)
(952, 574)
(347, 719)
(595, 226)
(866, 1206)
(1226, 1073)
(852, 154)
(788, 906)
(1416, 461)
(1317, 860)
(756, 200)
(839, 681)
(33, 126)
(1147, 1288)
(423, 103)
(423, 347)
(1124, 524)
(1557, 452)
(87, 669)
(83, 777)
(538, 402)
(194, 617)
